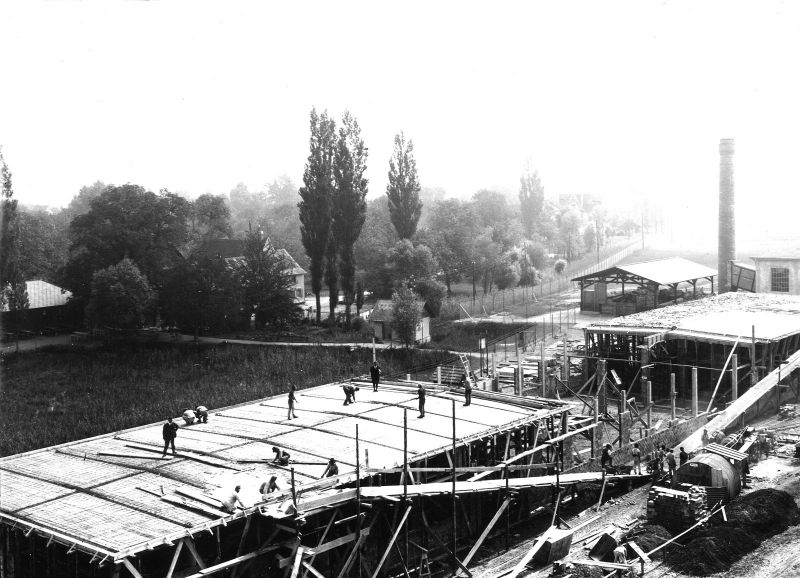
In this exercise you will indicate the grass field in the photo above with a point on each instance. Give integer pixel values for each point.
(56, 395)
(465, 336)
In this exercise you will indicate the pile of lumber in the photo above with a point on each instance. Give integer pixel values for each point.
(674, 508)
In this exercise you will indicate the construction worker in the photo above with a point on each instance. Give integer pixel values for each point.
(671, 463)
(331, 470)
(705, 437)
(188, 416)
(745, 472)
(292, 402)
(684, 457)
(269, 487)
(375, 374)
(169, 432)
(231, 502)
(467, 389)
(637, 459)
(349, 393)
(605, 458)
(421, 396)
(201, 413)
(281, 456)
(620, 557)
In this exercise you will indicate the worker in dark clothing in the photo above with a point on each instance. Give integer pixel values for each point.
(292, 402)
(605, 458)
(349, 393)
(169, 432)
(684, 457)
(281, 456)
(421, 395)
(331, 470)
(467, 389)
(745, 472)
(201, 413)
(375, 374)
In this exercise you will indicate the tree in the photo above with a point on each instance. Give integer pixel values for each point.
(120, 297)
(531, 201)
(12, 283)
(81, 203)
(126, 222)
(349, 208)
(506, 273)
(432, 292)
(43, 241)
(486, 254)
(210, 218)
(406, 314)
(201, 292)
(492, 210)
(403, 189)
(449, 234)
(246, 208)
(265, 277)
(569, 225)
(411, 263)
(315, 204)
(282, 191)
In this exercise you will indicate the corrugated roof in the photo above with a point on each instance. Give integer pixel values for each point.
(661, 271)
(43, 294)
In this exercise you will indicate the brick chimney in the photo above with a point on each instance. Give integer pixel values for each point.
(726, 250)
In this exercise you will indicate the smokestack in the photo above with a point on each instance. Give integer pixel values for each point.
(727, 215)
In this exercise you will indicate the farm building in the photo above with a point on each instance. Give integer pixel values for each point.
(382, 316)
(113, 506)
(233, 249)
(47, 307)
(746, 334)
(649, 285)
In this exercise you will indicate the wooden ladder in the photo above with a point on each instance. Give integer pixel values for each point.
(467, 371)
(424, 566)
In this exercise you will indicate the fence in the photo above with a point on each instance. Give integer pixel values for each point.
(519, 301)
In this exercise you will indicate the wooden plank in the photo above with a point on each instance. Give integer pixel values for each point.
(196, 506)
(602, 491)
(175, 557)
(484, 534)
(570, 434)
(131, 568)
(199, 496)
(346, 539)
(298, 557)
(311, 569)
(639, 552)
(238, 560)
(607, 565)
(391, 542)
(131, 455)
(530, 554)
(190, 545)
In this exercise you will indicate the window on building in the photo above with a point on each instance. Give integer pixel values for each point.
(298, 292)
(780, 279)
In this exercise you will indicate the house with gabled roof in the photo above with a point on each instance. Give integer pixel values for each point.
(382, 316)
(232, 250)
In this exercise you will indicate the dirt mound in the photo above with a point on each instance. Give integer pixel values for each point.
(764, 512)
(578, 571)
(712, 550)
(652, 536)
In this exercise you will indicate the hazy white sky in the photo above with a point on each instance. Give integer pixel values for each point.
(601, 97)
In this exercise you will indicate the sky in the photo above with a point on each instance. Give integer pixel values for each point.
(621, 99)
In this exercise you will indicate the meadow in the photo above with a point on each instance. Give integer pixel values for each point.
(60, 394)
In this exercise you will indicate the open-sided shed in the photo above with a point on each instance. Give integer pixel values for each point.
(654, 283)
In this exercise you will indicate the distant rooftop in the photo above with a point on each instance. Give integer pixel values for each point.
(661, 271)
(719, 318)
(43, 294)
(234, 249)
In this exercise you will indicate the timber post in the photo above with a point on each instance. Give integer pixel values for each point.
(694, 392)
(734, 377)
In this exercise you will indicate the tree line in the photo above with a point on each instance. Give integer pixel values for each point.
(410, 238)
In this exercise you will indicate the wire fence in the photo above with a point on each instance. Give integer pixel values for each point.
(521, 301)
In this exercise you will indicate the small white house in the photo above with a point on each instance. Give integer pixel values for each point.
(382, 315)
(779, 275)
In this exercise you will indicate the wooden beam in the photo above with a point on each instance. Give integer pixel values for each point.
(311, 569)
(238, 560)
(519, 456)
(298, 557)
(530, 554)
(131, 568)
(346, 539)
(324, 535)
(391, 542)
(190, 545)
(570, 434)
(175, 559)
(485, 533)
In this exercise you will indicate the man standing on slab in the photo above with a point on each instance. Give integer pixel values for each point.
(421, 395)
(375, 374)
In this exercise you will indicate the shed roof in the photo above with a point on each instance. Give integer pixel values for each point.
(719, 318)
(384, 310)
(115, 495)
(661, 271)
(43, 294)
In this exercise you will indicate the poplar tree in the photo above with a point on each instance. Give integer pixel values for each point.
(349, 203)
(315, 204)
(531, 201)
(12, 286)
(405, 206)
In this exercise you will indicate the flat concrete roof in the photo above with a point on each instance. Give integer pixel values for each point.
(114, 495)
(719, 318)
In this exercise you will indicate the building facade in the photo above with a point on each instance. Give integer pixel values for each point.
(779, 275)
